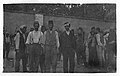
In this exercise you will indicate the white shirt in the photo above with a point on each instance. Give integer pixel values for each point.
(68, 32)
(57, 38)
(35, 37)
(7, 39)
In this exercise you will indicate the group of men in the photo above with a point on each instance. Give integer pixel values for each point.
(40, 48)
(101, 46)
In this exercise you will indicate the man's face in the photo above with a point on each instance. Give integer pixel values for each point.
(24, 29)
(93, 30)
(50, 26)
(67, 27)
(79, 31)
(7, 35)
(36, 26)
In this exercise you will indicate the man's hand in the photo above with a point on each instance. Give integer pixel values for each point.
(57, 50)
(17, 50)
(111, 42)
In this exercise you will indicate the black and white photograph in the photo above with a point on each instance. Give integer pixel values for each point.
(59, 38)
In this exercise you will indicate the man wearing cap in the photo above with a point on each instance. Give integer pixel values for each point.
(67, 49)
(51, 47)
(20, 48)
(35, 40)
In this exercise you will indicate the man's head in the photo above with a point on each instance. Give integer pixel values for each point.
(23, 28)
(50, 24)
(67, 26)
(80, 30)
(98, 30)
(93, 29)
(36, 25)
(43, 29)
(7, 34)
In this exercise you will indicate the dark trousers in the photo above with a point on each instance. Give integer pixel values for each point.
(34, 57)
(7, 49)
(111, 59)
(80, 54)
(50, 58)
(4, 50)
(20, 56)
(68, 54)
(42, 62)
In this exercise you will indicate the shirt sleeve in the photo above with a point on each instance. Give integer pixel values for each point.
(57, 38)
(41, 38)
(17, 38)
(98, 39)
(28, 41)
(44, 38)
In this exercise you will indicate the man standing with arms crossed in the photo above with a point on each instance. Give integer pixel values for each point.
(51, 47)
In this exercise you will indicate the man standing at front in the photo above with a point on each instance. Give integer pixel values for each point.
(35, 39)
(20, 49)
(67, 49)
(51, 47)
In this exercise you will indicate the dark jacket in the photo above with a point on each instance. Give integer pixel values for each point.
(67, 41)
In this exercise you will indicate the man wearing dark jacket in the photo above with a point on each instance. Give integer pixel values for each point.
(67, 49)
(20, 49)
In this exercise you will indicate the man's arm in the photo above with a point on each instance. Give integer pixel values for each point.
(44, 38)
(57, 38)
(41, 38)
(17, 38)
(28, 41)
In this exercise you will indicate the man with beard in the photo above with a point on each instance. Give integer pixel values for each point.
(67, 49)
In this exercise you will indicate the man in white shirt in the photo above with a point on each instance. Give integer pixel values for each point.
(51, 47)
(35, 38)
(20, 49)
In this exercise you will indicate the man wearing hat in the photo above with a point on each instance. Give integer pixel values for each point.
(34, 39)
(20, 49)
(67, 49)
(51, 47)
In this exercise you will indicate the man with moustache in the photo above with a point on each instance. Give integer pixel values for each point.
(35, 39)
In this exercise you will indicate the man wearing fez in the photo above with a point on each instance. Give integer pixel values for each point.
(67, 49)
(51, 47)
(35, 39)
(20, 49)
